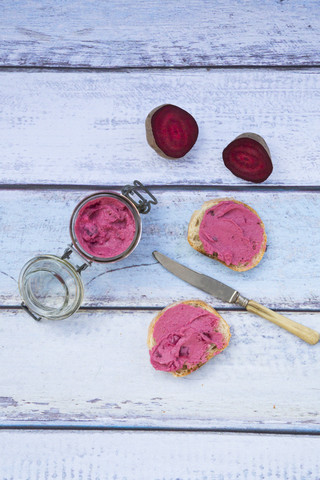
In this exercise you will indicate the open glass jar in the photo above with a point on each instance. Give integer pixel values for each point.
(104, 227)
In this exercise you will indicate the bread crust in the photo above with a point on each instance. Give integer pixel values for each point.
(195, 242)
(223, 328)
(149, 133)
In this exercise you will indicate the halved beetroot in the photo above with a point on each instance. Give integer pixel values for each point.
(171, 131)
(248, 157)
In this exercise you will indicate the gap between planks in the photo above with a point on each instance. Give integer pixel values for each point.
(184, 187)
(157, 309)
(127, 68)
(244, 431)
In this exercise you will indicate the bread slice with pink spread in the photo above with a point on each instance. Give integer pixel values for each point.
(185, 335)
(228, 231)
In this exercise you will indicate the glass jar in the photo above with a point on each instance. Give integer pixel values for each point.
(50, 286)
(91, 199)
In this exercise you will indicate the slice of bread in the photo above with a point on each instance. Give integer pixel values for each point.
(195, 242)
(223, 328)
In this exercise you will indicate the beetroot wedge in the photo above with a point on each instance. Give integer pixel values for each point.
(248, 157)
(171, 131)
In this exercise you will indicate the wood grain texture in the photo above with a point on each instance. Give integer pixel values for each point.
(287, 277)
(306, 334)
(31, 455)
(147, 33)
(88, 128)
(94, 369)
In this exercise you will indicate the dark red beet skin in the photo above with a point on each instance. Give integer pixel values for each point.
(175, 131)
(248, 159)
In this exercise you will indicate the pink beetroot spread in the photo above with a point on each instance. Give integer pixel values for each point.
(231, 231)
(183, 335)
(105, 227)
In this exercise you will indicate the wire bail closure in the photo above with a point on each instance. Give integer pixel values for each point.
(27, 309)
(143, 205)
(67, 254)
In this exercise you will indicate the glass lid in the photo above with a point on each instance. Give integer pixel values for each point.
(50, 287)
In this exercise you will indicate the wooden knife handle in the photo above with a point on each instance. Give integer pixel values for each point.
(305, 333)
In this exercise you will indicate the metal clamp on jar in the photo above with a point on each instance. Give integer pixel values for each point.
(105, 227)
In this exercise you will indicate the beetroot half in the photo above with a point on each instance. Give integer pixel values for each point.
(171, 131)
(248, 157)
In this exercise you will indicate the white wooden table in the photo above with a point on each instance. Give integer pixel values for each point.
(78, 398)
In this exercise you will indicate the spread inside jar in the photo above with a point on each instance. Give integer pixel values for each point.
(183, 336)
(232, 232)
(105, 227)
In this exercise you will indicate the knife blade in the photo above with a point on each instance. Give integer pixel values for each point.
(199, 280)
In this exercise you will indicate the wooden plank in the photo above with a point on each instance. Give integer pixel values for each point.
(288, 276)
(94, 369)
(88, 127)
(147, 33)
(146, 455)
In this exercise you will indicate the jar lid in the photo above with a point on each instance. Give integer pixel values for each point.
(50, 287)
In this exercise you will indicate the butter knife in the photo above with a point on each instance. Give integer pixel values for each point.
(228, 294)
